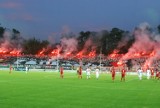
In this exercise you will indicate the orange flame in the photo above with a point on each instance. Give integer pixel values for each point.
(120, 63)
(69, 53)
(92, 54)
(152, 54)
(3, 51)
(79, 55)
(15, 52)
(55, 52)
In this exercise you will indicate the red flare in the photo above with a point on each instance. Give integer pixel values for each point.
(137, 55)
(113, 55)
(41, 52)
(55, 52)
(92, 54)
(68, 53)
(152, 54)
(143, 53)
(79, 55)
(119, 63)
(3, 51)
(15, 52)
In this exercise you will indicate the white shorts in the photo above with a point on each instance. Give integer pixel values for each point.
(97, 75)
(88, 74)
(140, 74)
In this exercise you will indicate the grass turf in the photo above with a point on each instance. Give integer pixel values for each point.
(47, 90)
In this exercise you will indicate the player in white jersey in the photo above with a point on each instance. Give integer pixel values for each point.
(148, 73)
(26, 69)
(97, 73)
(88, 72)
(140, 73)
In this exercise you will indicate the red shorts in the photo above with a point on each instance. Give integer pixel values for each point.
(123, 75)
(113, 75)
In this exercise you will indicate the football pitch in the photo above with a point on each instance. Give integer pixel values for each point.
(47, 90)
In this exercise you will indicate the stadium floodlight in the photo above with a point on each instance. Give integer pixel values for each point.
(17, 60)
(57, 59)
(100, 59)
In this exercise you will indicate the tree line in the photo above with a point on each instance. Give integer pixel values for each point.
(106, 41)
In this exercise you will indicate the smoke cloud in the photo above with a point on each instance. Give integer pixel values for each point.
(146, 43)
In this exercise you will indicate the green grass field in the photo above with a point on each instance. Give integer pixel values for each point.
(47, 90)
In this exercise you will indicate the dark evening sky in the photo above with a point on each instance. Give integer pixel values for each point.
(50, 18)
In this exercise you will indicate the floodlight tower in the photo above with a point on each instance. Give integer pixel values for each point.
(17, 61)
(57, 59)
(100, 62)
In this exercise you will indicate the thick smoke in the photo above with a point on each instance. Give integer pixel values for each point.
(146, 43)
(10, 44)
(92, 43)
(125, 39)
(68, 45)
(87, 46)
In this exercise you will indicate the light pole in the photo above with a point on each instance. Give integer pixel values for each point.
(100, 59)
(17, 61)
(57, 60)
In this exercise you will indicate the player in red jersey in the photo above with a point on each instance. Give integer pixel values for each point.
(123, 74)
(152, 73)
(113, 73)
(157, 74)
(61, 72)
(80, 72)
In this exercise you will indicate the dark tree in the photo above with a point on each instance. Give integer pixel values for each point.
(82, 39)
(158, 27)
(1, 32)
(105, 35)
(113, 39)
(16, 34)
(33, 45)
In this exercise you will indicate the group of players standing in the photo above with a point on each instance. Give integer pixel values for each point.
(97, 73)
(150, 73)
(123, 73)
(113, 72)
